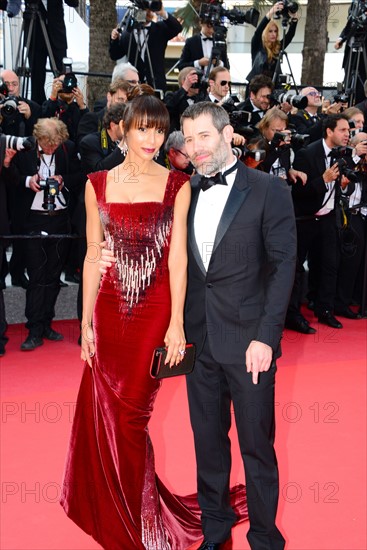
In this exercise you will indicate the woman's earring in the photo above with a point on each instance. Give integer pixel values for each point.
(124, 147)
(156, 155)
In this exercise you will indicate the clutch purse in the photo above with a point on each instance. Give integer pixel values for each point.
(158, 368)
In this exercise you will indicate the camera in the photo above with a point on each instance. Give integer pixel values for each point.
(299, 140)
(240, 120)
(19, 143)
(50, 188)
(341, 97)
(281, 96)
(288, 8)
(357, 20)
(339, 155)
(152, 5)
(9, 105)
(213, 14)
(243, 151)
(70, 81)
(197, 85)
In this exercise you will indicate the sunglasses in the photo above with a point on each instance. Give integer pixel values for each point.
(224, 82)
(181, 153)
(314, 94)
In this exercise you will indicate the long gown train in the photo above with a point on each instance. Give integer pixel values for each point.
(110, 488)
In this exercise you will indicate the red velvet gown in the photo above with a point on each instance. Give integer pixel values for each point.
(110, 487)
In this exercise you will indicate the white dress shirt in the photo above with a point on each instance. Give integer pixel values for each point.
(209, 210)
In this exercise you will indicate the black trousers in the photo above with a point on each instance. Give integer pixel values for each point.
(211, 389)
(44, 261)
(350, 264)
(318, 239)
(3, 323)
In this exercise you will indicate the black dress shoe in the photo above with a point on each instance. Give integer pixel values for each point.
(51, 334)
(20, 281)
(311, 305)
(347, 312)
(327, 318)
(299, 325)
(206, 545)
(31, 343)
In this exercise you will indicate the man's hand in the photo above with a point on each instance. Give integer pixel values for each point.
(114, 34)
(9, 154)
(331, 173)
(338, 44)
(60, 180)
(79, 98)
(204, 61)
(237, 139)
(294, 174)
(258, 359)
(107, 259)
(24, 109)
(361, 148)
(33, 183)
(56, 88)
(190, 79)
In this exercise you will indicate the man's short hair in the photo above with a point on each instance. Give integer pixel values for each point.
(114, 113)
(331, 121)
(175, 140)
(219, 116)
(119, 84)
(183, 74)
(121, 69)
(52, 130)
(260, 81)
(213, 73)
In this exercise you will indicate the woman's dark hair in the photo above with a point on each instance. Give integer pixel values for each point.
(146, 110)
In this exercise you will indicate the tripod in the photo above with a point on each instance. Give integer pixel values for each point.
(135, 20)
(23, 52)
(283, 53)
(219, 49)
(357, 51)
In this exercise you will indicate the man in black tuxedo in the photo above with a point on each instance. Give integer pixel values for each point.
(197, 51)
(241, 252)
(314, 204)
(152, 38)
(187, 94)
(54, 157)
(258, 102)
(53, 17)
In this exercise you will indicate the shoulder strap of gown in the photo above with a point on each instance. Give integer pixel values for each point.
(98, 180)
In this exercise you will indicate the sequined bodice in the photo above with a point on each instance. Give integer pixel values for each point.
(139, 235)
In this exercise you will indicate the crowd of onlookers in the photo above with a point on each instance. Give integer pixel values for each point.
(317, 146)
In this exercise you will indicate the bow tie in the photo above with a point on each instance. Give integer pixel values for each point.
(207, 38)
(206, 182)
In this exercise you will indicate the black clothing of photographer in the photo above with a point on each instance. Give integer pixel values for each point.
(197, 50)
(265, 43)
(187, 94)
(153, 38)
(53, 17)
(316, 216)
(54, 162)
(20, 121)
(67, 105)
(258, 102)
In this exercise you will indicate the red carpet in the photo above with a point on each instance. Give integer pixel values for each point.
(321, 440)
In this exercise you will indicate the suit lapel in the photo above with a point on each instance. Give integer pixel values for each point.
(191, 230)
(237, 196)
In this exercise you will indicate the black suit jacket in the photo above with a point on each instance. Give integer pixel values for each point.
(247, 106)
(25, 163)
(244, 294)
(159, 34)
(309, 198)
(193, 50)
(94, 158)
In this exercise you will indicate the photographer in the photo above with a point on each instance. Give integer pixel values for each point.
(53, 18)
(273, 127)
(258, 103)
(187, 94)
(265, 43)
(197, 50)
(317, 217)
(66, 104)
(46, 176)
(176, 155)
(145, 45)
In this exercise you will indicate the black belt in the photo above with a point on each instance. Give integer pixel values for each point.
(49, 212)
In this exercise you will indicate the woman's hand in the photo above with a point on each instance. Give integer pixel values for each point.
(88, 348)
(175, 342)
(274, 9)
(107, 258)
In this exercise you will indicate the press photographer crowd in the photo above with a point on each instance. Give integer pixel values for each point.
(47, 149)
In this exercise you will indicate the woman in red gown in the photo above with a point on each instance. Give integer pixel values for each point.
(110, 488)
